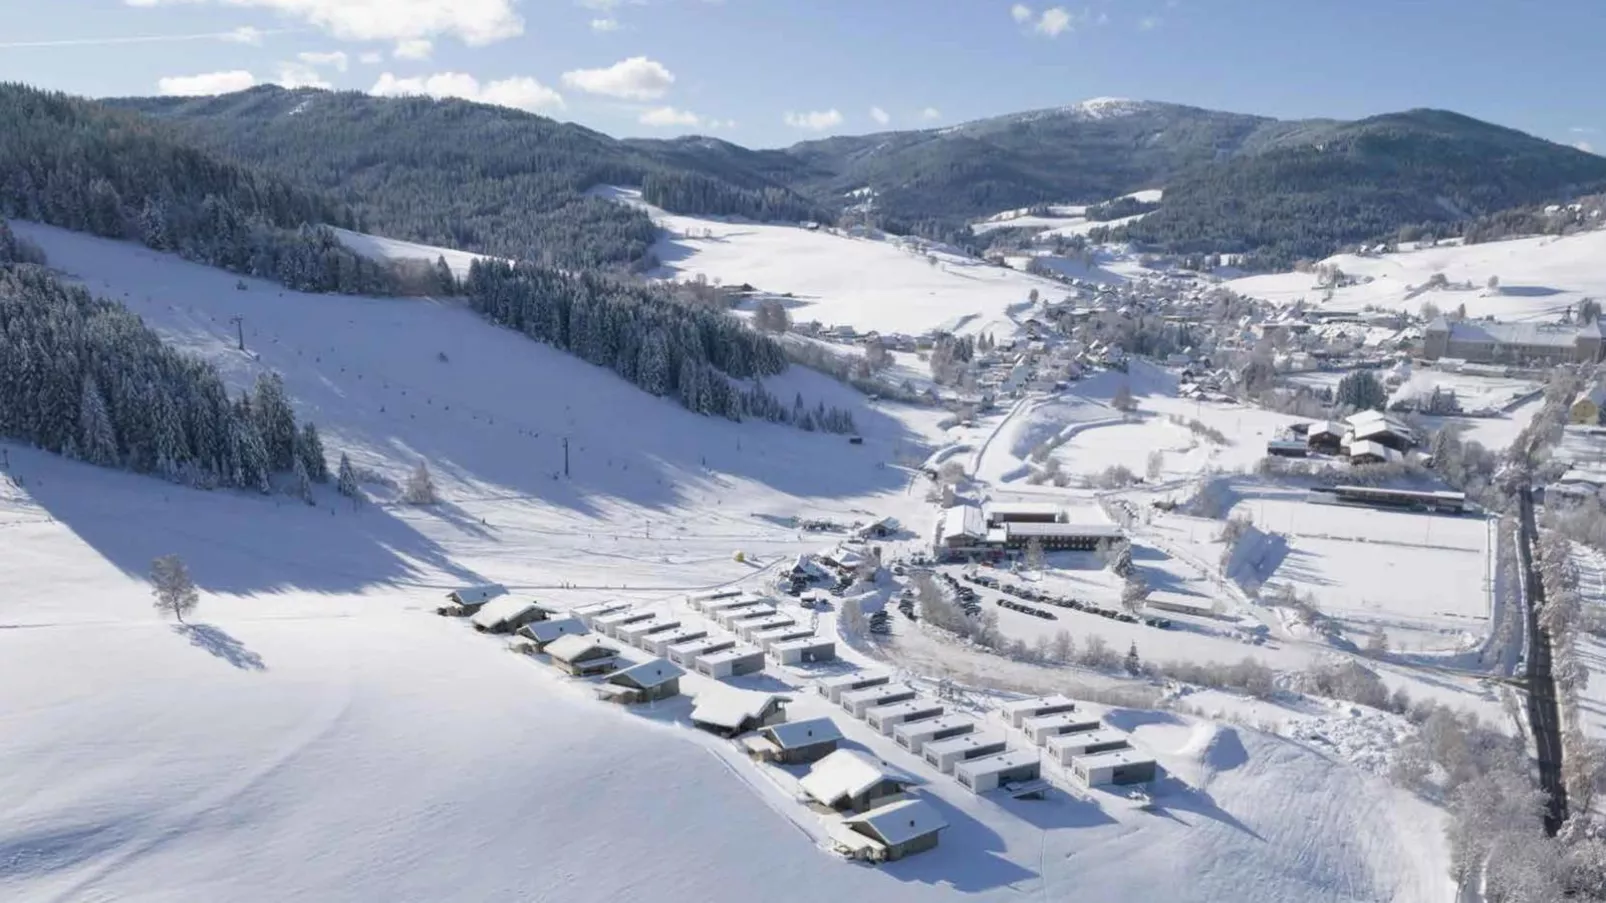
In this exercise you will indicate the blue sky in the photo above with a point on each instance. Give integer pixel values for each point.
(769, 72)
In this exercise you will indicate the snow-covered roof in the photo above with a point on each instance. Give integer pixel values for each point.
(997, 762)
(500, 610)
(1114, 757)
(574, 646)
(470, 595)
(1367, 447)
(547, 631)
(1027, 509)
(730, 655)
(854, 679)
(929, 726)
(1107, 531)
(1058, 719)
(803, 642)
(963, 743)
(794, 734)
(848, 773)
(1036, 704)
(1084, 739)
(906, 707)
(1541, 334)
(730, 708)
(902, 821)
(651, 673)
(962, 521)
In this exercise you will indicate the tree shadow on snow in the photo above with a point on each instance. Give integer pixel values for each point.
(234, 543)
(218, 642)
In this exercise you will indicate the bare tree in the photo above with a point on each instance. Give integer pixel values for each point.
(175, 592)
(1035, 558)
(1156, 464)
(420, 488)
(1122, 400)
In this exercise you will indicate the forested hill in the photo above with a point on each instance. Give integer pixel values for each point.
(1317, 188)
(470, 176)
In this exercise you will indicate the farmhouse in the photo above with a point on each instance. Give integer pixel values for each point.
(914, 735)
(1001, 513)
(650, 681)
(943, 755)
(890, 832)
(885, 718)
(991, 772)
(796, 742)
(848, 780)
(466, 601)
(1326, 437)
(685, 654)
(661, 643)
(506, 614)
(542, 633)
(804, 650)
(732, 662)
(609, 624)
(581, 656)
(1369, 452)
(1042, 727)
(1489, 342)
(729, 712)
(1054, 536)
(833, 687)
(1114, 766)
(860, 701)
(591, 612)
(1018, 711)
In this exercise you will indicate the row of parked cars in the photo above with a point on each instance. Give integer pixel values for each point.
(1036, 595)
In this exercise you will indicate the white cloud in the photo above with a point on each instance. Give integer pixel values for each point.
(1021, 13)
(475, 22)
(518, 93)
(880, 116)
(636, 78)
(1149, 23)
(245, 34)
(1584, 130)
(413, 49)
(814, 121)
(371, 58)
(1054, 21)
(334, 58)
(669, 116)
(205, 83)
(930, 113)
(606, 23)
(299, 75)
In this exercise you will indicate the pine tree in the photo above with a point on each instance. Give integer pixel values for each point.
(1133, 664)
(346, 482)
(97, 441)
(303, 483)
(275, 421)
(309, 449)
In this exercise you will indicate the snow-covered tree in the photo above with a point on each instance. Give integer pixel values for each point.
(1133, 593)
(309, 448)
(420, 489)
(1133, 664)
(97, 441)
(1122, 400)
(346, 482)
(302, 483)
(1035, 559)
(174, 591)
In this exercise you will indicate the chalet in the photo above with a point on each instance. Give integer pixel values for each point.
(890, 832)
(1114, 766)
(1042, 727)
(832, 688)
(542, 633)
(651, 681)
(943, 755)
(848, 780)
(1369, 452)
(914, 735)
(466, 601)
(885, 718)
(1326, 437)
(507, 614)
(729, 712)
(858, 702)
(582, 656)
(795, 742)
(1384, 429)
(991, 772)
(685, 654)
(732, 662)
(1019, 710)
(803, 650)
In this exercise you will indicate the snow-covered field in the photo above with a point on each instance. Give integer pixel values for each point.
(377, 247)
(317, 734)
(1538, 277)
(886, 285)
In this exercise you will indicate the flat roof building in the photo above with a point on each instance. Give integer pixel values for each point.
(914, 735)
(685, 654)
(860, 701)
(609, 624)
(661, 643)
(1019, 710)
(832, 688)
(729, 618)
(885, 718)
(732, 662)
(590, 612)
(766, 639)
(1056, 536)
(1066, 747)
(943, 755)
(1043, 727)
(804, 650)
(1000, 513)
(747, 628)
(633, 633)
(1115, 766)
(991, 772)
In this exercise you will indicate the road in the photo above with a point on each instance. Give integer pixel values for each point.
(1544, 713)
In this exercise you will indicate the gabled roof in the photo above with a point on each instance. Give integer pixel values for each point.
(499, 610)
(794, 734)
(731, 708)
(900, 822)
(572, 647)
(848, 773)
(649, 674)
(547, 631)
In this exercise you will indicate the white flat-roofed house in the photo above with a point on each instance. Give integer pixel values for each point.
(832, 688)
(849, 780)
(1114, 766)
(885, 718)
(943, 755)
(729, 712)
(914, 735)
(661, 643)
(1058, 537)
(764, 639)
(804, 650)
(726, 603)
(1019, 710)
(1000, 513)
(750, 627)
(1065, 747)
(608, 625)
(732, 662)
(860, 701)
(590, 612)
(732, 618)
(991, 772)
(685, 653)
(1042, 727)
(635, 633)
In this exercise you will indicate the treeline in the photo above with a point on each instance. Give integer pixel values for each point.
(697, 194)
(669, 349)
(85, 378)
(73, 164)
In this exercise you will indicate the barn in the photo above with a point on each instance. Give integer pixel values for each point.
(796, 742)
(804, 650)
(848, 780)
(991, 772)
(890, 832)
(943, 755)
(914, 735)
(885, 718)
(729, 712)
(730, 662)
(651, 681)
(582, 656)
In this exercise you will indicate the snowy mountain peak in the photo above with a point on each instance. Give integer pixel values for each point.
(1108, 107)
